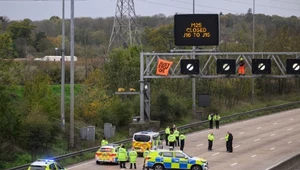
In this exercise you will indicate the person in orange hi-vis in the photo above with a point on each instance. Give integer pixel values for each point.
(241, 69)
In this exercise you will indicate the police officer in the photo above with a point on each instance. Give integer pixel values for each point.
(210, 141)
(167, 133)
(172, 140)
(132, 158)
(158, 143)
(176, 133)
(182, 139)
(122, 157)
(146, 152)
(217, 118)
(210, 119)
(226, 139)
(230, 139)
(104, 142)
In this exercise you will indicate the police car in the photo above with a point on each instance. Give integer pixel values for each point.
(174, 159)
(107, 153)
(45, 164)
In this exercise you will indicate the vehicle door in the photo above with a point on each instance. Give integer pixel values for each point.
(182, 160)
(167, 159)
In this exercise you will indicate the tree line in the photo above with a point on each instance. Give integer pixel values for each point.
(30, 97)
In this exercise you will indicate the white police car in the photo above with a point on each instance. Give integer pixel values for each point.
(45, 164)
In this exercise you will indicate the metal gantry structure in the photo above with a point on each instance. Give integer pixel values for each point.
(208, 64)
(125, 28)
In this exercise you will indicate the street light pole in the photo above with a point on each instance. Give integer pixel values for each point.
(72, 77)
(194, 79)
(63, 69)
(253, 46)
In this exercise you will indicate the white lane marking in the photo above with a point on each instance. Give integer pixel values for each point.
(253, 156)
(80, 165)
(289, 142)
(258, 128)
(215, 154)
(289, 129)
(256, 140)
(275, 123)
(222, 138)
(272, 148)
(233, 164)
(237, 146)
(291, 118)
(242, 132)
(273, 134)
(200, 145)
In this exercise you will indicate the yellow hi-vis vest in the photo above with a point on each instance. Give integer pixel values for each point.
(217, 117)
(171, 138)
(167, 131)
(182, 137)
(211, 137)
(176, 133)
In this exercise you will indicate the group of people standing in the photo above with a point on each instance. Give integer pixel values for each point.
(214, 118)
(228, 139)
(174, 138)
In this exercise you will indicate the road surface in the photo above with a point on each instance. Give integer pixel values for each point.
(258, 144)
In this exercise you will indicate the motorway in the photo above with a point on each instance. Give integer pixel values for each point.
(258, 144)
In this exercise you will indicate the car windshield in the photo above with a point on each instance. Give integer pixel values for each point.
(105, 149)
(37, 168)
(142, 138)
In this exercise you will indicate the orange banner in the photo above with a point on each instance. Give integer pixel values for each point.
(163, 67)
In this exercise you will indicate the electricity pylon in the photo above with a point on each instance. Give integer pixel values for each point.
(125, 29)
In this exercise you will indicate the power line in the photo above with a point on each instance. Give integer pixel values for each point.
(172, 6)
(205, 6)
(287, 2)
(266, 6)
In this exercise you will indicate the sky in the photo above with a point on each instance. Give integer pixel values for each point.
(44, 9)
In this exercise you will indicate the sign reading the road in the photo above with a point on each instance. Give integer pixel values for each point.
(196, 29)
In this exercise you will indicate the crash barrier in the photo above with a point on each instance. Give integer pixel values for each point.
(292, 163)
(191, 125)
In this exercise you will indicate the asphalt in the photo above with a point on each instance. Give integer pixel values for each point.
(258, 144)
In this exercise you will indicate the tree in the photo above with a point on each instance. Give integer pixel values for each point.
(122, 68)
(6, 46)
(160, 39)
(21, 35)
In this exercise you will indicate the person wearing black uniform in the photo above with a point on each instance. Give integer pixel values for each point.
(230, 139)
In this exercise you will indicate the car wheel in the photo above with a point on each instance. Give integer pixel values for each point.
(158, 167)
(97, 162)
(196, 167)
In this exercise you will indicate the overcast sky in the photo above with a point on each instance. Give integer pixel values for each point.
(39, 10)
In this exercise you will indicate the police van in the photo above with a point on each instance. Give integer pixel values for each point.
(146, 140)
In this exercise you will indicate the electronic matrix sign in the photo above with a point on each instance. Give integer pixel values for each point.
(196, 29)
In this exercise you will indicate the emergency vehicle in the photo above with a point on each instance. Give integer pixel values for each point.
(173, 159)
(144, 140)
(107, 153)
(45, 164)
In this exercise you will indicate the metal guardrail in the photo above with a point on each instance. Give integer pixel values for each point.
(292, 163)
(194, 124)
